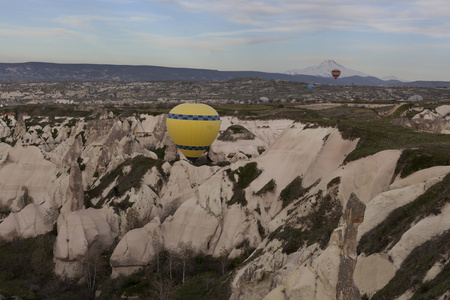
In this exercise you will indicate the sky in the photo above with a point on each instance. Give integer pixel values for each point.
(409, 39)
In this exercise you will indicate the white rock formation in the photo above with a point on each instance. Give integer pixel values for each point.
(193, 203)
(136, 249)
(78, 232)
(28, 222)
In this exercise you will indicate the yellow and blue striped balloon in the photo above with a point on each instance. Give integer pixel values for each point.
(193, 127)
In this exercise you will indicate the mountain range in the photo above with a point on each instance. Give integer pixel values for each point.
(41, 71)
(324, 70)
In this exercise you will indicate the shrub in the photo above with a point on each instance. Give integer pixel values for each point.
(132, 219)
(246, 174)
(389, 232)
(160, 152)
(316, 227)
(267, 188)
(25, 199)
(236, 132)
(334, 181)
(292, 191)
(4, 211)
(414, 268)
(427, 156)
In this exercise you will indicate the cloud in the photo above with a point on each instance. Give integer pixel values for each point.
(424, 17)
(218, 43)
(37, 32)
(87, 22)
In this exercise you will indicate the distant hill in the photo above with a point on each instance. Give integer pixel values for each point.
(40, 71)
(324, 70)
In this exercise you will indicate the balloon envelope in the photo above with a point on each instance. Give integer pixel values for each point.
(336, 73)
(310, 87)
(193, 127)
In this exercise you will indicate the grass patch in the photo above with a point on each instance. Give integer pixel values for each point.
(436, 287)
(160, 152)
(245, 175)
(427, 156)
(414, 268)
(292, 191)
(389, 232)
(316, 227)
(267, 188)
(379, 135)
(333, 182)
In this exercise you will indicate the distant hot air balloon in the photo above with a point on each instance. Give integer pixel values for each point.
(336, 73)
(193, 127)
(310, 87)
(137, 87)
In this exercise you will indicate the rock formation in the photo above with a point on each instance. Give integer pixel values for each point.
(282, 192)
(353, 217)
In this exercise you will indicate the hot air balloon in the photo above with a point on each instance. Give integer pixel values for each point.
(336, 73)
(310, 87)
(193, 127)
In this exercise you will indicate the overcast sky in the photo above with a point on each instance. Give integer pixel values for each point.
(409, 39)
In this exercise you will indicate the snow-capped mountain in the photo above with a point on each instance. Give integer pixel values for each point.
(324, 70)
(387, 78)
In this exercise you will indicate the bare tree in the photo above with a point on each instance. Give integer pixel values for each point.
(93, 267)
(157, 247)
(186, 255)
(51, 216)
(224, 253)
(171, 256)
(163, 289)
(132, 219)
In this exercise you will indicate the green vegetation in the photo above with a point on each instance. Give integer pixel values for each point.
(436, 287)
(427, 156)
(333, 182)
(292, 191)
(236, 132)
(25, 199)
(381, 135)
(315, 227)
(389, 232)
(414, 268)
(160, 152)
(206, 277)
(139, 165)
(26, 269)
(267, 188)
(122, 205)
(246, 174)
(83, 138)
(375, 132)
(5, 210)
(48, 110)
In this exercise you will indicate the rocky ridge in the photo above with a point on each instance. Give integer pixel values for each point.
(113, 182)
